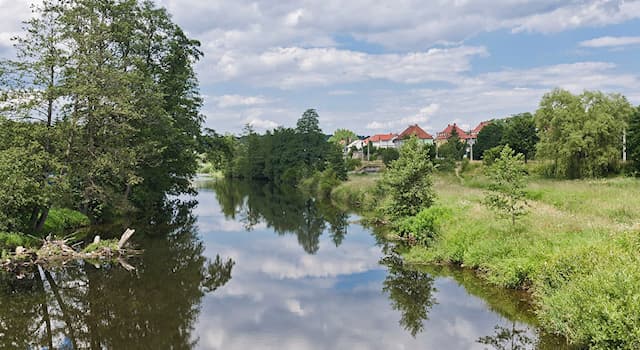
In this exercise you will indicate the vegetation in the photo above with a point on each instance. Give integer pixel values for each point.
(282, 155)
(633, 143)
(507, 176)
(454, 149)
(489, 137)
(100, 113)
(581, 136)
(408, 181)
(343, 137)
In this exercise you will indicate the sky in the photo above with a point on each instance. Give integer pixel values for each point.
(379, 66)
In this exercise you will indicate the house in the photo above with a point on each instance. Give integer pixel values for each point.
(414, 130)
(473, 135)
(445, 134)
(382, 140)
(357, 144)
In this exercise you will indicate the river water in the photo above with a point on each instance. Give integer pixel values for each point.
(252, 266)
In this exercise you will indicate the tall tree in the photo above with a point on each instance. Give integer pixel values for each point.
(114, 83)
(521, 135)
(490, 136)
(581, 136)
(343, 137)
(633, 142)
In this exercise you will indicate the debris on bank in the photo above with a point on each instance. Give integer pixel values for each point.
(58, 252)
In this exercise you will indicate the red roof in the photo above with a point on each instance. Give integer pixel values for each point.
(417, 131)
(479, 128)
(446, 133)
(381, 137)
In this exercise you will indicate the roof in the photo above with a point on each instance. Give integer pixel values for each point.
(446, 133)
(381, 137)
(479, 128)
(417, 131)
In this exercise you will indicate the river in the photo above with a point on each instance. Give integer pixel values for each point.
(252, 266)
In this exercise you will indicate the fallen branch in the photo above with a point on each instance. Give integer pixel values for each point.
(59, 252)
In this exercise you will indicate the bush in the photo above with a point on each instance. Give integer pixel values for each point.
(592, 295)
(425, 225)
(353, 163)
(489, 156)
(445, 165)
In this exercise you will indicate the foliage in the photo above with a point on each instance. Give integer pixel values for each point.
(30, 177)
(411, 292)
(408, 181)
(489, 137)
(60, 220)
(491, 155)
(388, 155)
(507, 176)
(424, 226)
(581, 135)
(633, 142)
(343, 137)
(286, 155)
(454, 148)
(113, 86)
(521, 135)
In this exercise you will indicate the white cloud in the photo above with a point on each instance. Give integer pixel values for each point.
(262, 123)
(295, 66)
(611, 41)
(422, 116)
(226, 101)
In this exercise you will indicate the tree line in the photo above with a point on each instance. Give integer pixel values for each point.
(282, 155)
(571, 135)
(99, 111)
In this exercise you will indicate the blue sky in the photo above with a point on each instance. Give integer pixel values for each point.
(376, 67)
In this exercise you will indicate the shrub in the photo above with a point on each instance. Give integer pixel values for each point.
(489, 156)
(425, 225)
(408, 181)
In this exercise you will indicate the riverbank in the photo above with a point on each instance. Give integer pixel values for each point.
(576, 251)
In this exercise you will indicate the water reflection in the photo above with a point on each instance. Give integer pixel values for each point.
(299, 282)
(284, 209)
(509, 338)
(411, 292)
(84, 306)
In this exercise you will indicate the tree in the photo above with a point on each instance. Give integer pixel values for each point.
(454, 149)
(633, 142)
(489, 137)
(312, 141)
(408, 180)
(507, 175)
(115, 84)
(581, 136)
(521, 135)
(343, 137)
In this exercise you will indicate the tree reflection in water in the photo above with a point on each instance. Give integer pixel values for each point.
(83, 306)
(284, 209)
(411, 292)
(509, 338)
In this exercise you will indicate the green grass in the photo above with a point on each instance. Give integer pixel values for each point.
(61, 220)
(577, 251)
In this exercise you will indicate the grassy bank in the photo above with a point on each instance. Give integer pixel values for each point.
(59, 221)
(577, 250)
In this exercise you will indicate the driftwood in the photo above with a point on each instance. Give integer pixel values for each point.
(59, 252)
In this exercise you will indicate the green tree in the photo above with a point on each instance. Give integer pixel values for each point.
(521, 135)
(490, 136)
(343, 137)
(633, 142)
(507, 175)
(408, 180)
(454, 148)
(581, 136)
(313, 144)
(115, 84)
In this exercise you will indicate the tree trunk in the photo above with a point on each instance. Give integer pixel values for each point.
(42, 219)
